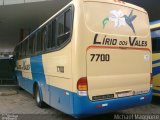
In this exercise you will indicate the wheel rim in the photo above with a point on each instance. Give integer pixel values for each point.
(38, 97)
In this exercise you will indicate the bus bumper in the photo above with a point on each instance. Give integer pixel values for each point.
(84, 107)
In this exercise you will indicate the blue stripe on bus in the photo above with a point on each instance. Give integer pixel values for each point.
(36, 64)
(156, 70)
(155, 22)
(60, 100)
(24, 82)
(85, 107)
(156, 91)
(155, 61)
(82, 106)
(39, 76)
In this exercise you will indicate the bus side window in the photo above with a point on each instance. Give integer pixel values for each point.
(60, 26)
(41, 40)
(51, 35)
(17, 52)
(31, 44)
(20, 51)
(38, 42)
(27, 47)
(60, 23)
(53, 43)
(23, 49)
(67, 24)
(64, 27)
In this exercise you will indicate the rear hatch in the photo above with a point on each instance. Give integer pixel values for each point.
(118, 61)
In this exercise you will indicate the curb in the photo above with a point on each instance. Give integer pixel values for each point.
(8, 92)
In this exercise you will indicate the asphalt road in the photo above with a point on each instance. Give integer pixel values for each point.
(22, 107)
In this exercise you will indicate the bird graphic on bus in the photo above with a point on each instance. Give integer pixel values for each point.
(120, 19)
(129, 19)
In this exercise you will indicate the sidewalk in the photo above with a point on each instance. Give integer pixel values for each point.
(8, 90)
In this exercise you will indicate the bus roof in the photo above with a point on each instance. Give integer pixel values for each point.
(155, 24)
(120, 2)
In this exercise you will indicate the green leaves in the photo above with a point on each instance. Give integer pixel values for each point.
(105, 21)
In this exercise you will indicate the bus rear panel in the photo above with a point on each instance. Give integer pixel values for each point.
(113, 57)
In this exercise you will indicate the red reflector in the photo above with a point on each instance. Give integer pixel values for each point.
(82, 84)
(145, 97)
(99, 106)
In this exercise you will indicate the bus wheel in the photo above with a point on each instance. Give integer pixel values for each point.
(38, 98)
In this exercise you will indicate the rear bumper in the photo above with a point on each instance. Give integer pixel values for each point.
(83, 107)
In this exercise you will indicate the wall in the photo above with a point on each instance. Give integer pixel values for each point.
(26, 16)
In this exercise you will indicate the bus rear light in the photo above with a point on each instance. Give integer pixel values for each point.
(82, 84)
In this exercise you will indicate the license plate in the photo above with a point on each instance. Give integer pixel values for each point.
(124, 94)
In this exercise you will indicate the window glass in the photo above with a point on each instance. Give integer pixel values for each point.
(17, 52)
(32, 39)
(53, 43)
(22, 55)
(60, 23)
(41, 40)
(38, 42)
(65, 21)
(27, 47)
(20, 50)
(49, 36)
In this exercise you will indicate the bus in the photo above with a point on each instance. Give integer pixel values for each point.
(155, 34)
(91, 57)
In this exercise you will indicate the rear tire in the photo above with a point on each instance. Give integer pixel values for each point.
(38, 97)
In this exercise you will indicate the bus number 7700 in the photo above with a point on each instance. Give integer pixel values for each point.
(100, 57)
